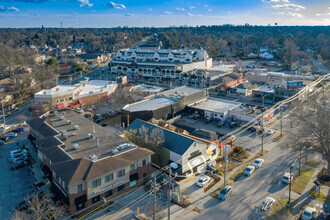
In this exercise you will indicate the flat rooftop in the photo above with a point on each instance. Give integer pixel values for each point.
(265, 89)
(108, 141)
(252, 110)
(149, 104)
(95, 87)
(182, 90)
(58, 89)
(215, 105)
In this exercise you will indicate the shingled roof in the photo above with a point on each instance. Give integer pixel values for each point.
(42, 127)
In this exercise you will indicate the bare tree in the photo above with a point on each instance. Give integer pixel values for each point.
(312, 132)
(160, 214)
(44, 73)
(23, 85)
(40, 207)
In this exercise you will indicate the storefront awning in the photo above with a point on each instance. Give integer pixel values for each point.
(71, 106)
(80, 101)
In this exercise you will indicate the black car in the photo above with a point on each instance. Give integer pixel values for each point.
(18, 165)
(5, 139)
(103, 124)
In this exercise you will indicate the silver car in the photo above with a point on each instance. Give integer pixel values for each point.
(225, 192)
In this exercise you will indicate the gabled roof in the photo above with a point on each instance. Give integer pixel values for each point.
(48, 142)
(42, 127)
(172, 141)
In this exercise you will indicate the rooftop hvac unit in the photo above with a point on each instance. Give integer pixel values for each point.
(114, 152)
(62, 118)
(93, 157)
(89, 136)
(74, 134)
(68, 122)
(63, 132)
(123, 146)
(76, 127)
(75, 146)
(55, 113)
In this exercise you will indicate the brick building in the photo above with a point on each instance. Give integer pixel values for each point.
(223, 82)
(87, 163)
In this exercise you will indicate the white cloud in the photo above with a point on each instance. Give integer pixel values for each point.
(210, 10)
(292, 14)
(180, 9)
(192, 7)
(289, 6)
(116, 6)
(12, 9)
(168, 12)
(2, 8)
(191, 15)
(150, 9)
(85, 3)
(326, 13)
(206, 6)
(317, 14)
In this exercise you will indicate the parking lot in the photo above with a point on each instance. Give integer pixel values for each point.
(15, 184)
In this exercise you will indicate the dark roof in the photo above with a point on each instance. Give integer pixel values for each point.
(42, 127)
(55, 154)
(48, 142)
(72, 171)
(246, 86)
(172, 141)
(88, 56)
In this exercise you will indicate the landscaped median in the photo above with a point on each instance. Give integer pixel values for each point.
(300, 182)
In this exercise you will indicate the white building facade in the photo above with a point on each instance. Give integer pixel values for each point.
(158, 63)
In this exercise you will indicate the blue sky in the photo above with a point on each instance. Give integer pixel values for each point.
(158, 13)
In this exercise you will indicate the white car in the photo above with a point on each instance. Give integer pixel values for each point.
(258, 162)
(270, 131)
(13, 153)
(249, 170)
(308, 213)
(79, 110)
(267, 203)
(202, 181)
(11, 134)
(286, 177)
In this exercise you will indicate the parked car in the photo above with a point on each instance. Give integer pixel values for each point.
(18, 130)
(249, 170)
(18, 165)
(308, 213)
(89, 109)
(11, 134)
(240, 124)
(208, 119)
(225, 192)
(22, 206)
(255, 128)
(221, 123)
(202, 181)
(270, 131)
(233, 124)
(16, 152)
(79, 110)
(258, 163)
(5, 139)
(286, 177)
(14, 156)
(267, 204)
(196, 117)
(15, 109)
(18, 159)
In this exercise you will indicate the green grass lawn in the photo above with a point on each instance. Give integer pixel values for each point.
(280, 209)
(301, 181)
(319, 196)
(312, 163)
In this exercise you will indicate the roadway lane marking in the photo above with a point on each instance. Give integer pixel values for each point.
(255, 189)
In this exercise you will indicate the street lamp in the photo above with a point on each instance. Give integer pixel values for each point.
(290, 179)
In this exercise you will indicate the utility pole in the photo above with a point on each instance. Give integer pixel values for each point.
(169, 195)
(300, 160)
(154, 210)
(290, 179)
(225, 171)
(3, 114)
(262, 128)
(281, 120)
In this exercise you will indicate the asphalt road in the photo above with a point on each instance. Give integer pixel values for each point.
(24, 110)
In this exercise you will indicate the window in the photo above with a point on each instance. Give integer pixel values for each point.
(79, 188)
(132, 167)
(108, 193)
(194, 154)
(70, 98)
(61, 100)
(109, 178)
(96, 199)
(121, 173)
(144, 162)
(119, 188)
(214, 152)
(96, 183)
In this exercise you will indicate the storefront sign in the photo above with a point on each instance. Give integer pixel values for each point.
(133, 183)
(109, 187)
